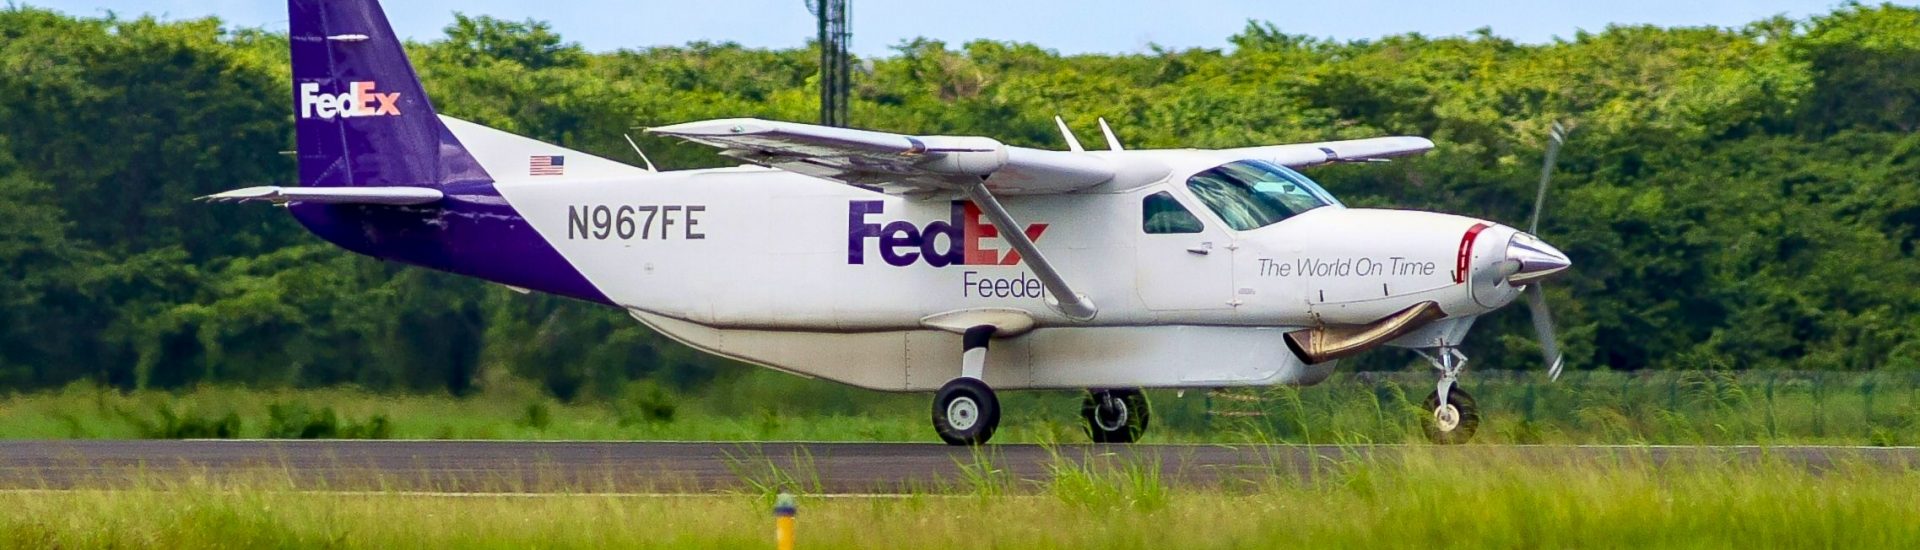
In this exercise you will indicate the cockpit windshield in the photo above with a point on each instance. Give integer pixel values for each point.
(1251, 194)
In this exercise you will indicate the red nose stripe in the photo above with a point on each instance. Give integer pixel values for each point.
(1465, 256)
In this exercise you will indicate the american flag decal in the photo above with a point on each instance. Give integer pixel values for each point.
(547, 165)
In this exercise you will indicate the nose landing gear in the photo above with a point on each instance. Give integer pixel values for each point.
(1452, 416)
(1451, 422)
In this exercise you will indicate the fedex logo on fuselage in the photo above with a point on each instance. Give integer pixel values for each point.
(359, 100)
(901, 243)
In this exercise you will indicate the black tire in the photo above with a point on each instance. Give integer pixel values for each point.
(1126, 423)
(965, 412)
(1462, 430)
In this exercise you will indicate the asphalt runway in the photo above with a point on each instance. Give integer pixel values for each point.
(691, 467)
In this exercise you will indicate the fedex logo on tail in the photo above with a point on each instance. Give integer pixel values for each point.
(359, 100)
(901, 243)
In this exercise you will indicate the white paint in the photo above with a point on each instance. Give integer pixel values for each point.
(765, 274)
(973, 363)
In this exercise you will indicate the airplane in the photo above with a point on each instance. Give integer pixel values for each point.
(957, 265)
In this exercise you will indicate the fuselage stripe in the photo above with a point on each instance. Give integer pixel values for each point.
(1464, 259)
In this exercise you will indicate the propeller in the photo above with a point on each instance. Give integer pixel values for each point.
(1543, 327)
(1537, 296)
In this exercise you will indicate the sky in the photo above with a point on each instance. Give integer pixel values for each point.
(1069, 27)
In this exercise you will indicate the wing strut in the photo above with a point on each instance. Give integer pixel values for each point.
(1060, 297)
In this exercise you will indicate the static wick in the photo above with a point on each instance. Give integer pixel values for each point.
(783, 511)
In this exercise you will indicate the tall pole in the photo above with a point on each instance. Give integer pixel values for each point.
(844, 66)
(835, 70)
(821, 11)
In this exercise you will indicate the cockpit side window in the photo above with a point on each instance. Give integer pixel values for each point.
(1252, 194)
(1163, 214)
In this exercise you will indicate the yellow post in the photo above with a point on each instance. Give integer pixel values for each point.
(783, 511)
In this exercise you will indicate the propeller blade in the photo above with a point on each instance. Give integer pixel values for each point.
(1555, 139)
(1543, 327)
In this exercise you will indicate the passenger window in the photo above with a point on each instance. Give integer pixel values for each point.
(1163, 214)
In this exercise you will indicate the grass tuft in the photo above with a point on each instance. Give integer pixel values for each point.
(1473, 497)
(1682, 408)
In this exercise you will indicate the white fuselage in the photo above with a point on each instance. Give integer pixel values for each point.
(824, 279)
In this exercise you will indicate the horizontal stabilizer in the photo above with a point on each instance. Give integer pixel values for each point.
(330, 195)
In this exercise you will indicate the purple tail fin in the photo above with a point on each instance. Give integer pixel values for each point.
(362, 117)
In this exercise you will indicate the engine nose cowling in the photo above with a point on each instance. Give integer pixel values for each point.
(1505, 259)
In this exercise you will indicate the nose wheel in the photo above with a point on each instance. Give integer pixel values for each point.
(1115, 416)
(1453, 421)
(1451, 416)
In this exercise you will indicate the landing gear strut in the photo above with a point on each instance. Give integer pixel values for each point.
(1451, 416)
(965, 411)
(1115, 416)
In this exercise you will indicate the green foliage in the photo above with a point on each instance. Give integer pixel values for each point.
(538, 416)
(1734, 198)
(645, 401)
(1863, 60)
(1684, 407)
(1474, 497)
(299, 421)
(168, 423)
(1108, 484)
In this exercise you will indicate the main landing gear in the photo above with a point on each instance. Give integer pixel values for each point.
(966, 411)
(1115, 416)
(1452, 416)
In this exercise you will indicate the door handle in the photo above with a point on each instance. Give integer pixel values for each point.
(1199, 250)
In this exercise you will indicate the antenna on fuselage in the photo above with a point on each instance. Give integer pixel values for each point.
(1073, 143)
(1113, 143)
(643, 154)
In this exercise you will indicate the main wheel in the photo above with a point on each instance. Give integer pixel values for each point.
(1454, 422)
(1115, 416)
(965, 412)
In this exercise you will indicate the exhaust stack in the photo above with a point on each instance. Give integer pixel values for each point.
(1326, 343)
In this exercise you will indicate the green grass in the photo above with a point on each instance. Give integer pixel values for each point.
(1486, 498)
(1661, 407)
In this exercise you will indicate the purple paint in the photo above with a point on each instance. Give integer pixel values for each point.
(858, 230)
(473, 232)
(362, 119)
(902, 243)
(346, 48)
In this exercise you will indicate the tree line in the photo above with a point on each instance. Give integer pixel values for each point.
(1733, 197)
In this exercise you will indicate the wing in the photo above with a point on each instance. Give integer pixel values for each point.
(1302, 155)
(897, 163)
